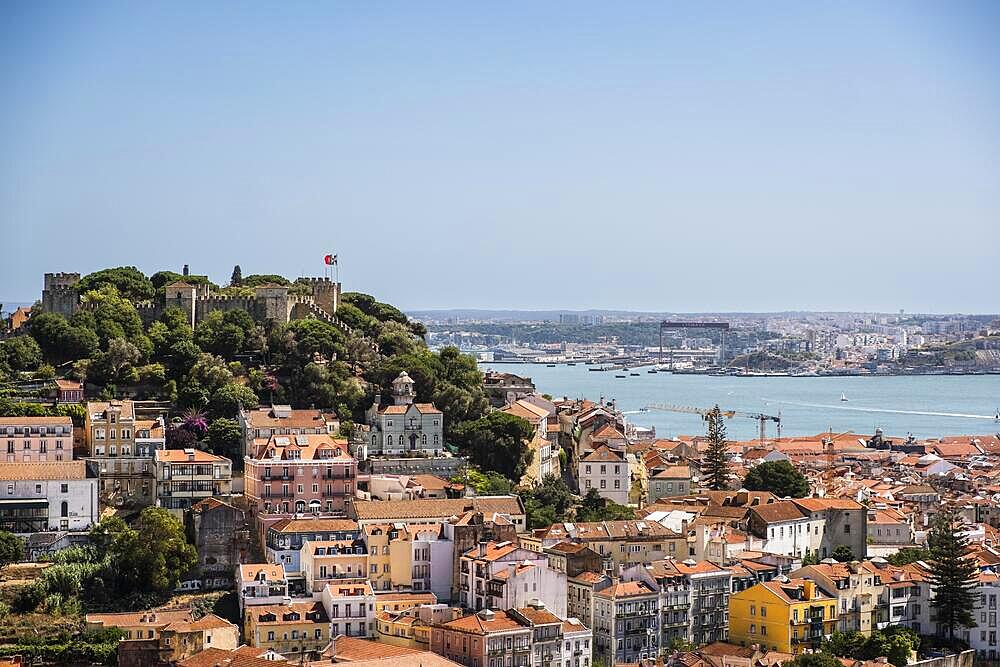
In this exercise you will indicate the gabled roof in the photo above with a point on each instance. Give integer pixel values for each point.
(822, 504)
(430, 508)
(603, 454)
(785, 510)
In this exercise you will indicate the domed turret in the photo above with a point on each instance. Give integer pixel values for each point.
(402, 389)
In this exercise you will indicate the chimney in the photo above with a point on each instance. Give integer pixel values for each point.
(808, 590)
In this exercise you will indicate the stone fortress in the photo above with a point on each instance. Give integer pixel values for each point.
(269, 302)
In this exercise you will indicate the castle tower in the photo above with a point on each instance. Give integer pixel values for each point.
(273, 303)
(184, 296)
(60, 294)
(402, 390)
(326, 294)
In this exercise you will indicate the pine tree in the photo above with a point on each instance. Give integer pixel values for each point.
(716, 463)
(237, 278)
(953, 575)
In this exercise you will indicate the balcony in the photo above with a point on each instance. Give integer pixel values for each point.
(268, 477)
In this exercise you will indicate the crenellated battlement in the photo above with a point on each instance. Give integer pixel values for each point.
(268, 303)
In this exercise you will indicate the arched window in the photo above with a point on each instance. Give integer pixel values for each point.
(64, 509)
(388, 441)
(423, 439)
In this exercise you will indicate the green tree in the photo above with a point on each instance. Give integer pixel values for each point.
(114, 316)
(813, 660)
(484, 483)
(149, 558)
(593, 507)
(61, 340)
(843, 554)
(225, 439)
(779, 477)
(227, 399)
(908, 555)
(11, 548)
(716, 460)
(546, 503)
(845, 644)
(20, 353)
(236, 280)
(497, 442)
(117, 364)
(228, 334)
(953, 575)
(128, 281)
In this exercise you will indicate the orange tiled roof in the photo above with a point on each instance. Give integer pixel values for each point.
(43, 470)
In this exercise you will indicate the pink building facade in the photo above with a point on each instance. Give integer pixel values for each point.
(36, 439)
(300, 474)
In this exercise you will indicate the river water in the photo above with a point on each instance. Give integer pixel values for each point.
(925, 405)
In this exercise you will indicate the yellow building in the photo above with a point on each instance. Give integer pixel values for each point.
(786, 615)
(291, 629)
(380, 538)
(403, 600)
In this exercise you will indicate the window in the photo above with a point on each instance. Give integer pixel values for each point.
(763, 610)
(847, 529)
(753, 629)
(763, 630)
(64, 488)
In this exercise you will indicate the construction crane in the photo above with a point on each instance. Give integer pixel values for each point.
(761, 418)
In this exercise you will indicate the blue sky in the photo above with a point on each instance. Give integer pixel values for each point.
(654, 156)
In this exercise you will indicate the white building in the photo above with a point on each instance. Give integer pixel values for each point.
(432, 558)
(405, 428)
(47, 496)
(350, 604)
(786, 529)
(606, 470)
(502, 575)
(261, 583)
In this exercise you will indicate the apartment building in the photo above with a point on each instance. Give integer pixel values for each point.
(37, 439)
(619, 542)
(379, 541)
(431, 560)
(121, 450)
(47, 496)
(485, 639)
(669, 481)
(786, 615)
(606, 470)
(350, 604)
(284, 539)
(626, 622)
(502, 575)
(187, 476)
(580, 591)
(300, 627)
(694, 603)
(841, 522)
(325, 561)
(300, 473)
(261, 584)
(264, 422)
(857, 588)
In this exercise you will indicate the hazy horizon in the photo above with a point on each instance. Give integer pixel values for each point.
(658, 157)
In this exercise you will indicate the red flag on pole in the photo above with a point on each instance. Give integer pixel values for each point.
(330, 259)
